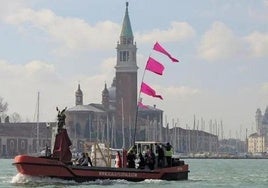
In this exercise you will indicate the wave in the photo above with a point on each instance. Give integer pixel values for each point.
(21, 179)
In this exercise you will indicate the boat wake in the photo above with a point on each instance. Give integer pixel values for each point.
(21, 179)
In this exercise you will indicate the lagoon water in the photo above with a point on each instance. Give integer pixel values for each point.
(205, 173)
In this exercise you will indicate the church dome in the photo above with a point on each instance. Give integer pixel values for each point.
(112, 91)
(112, 94)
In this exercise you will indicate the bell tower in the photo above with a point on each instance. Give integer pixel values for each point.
(78, 96)
(126, 81)
(105, 97)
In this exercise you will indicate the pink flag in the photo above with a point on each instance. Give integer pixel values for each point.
(149, 91)
(159, 48)
(154, 66)
(141, 105)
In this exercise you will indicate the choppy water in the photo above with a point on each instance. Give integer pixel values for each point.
(203, 173)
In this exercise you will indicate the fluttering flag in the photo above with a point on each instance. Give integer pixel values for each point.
(141, 105)
(154, 66)
(159, 48)
(149, 91)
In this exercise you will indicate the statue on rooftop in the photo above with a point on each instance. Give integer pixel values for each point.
(61, 118)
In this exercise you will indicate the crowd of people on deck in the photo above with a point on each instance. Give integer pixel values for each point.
(148, 159)
(142, 160)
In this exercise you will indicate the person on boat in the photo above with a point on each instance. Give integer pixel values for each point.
(161, 156)
(168, 154)
(131, 159)
(150, 159)
(78, 158)
(81, 160)
(84, 160)
(141, 161)
(89, 160)
(118, 160)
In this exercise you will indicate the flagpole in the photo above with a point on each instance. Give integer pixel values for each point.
(159, 48)
(137, 109)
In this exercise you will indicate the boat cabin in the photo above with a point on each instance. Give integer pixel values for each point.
(143, 146)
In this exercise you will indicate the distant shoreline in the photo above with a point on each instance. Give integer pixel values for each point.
(223, 157)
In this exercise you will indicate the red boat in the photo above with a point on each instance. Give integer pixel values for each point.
(59, 165)
(45, 167)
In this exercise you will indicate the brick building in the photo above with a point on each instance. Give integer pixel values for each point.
(21, 138)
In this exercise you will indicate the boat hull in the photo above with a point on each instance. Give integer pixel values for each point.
(48, 167)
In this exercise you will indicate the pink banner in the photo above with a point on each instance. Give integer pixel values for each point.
(141, 105)
(159, 48)
(154, 66)
(149, 91)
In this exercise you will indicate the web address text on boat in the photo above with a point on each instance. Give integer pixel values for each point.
(118, 174)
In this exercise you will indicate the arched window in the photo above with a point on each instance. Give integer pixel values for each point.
(12, 144)
(124, 55)
(22, 144)
(77, 130)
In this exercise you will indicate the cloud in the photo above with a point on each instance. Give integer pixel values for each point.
(265, 2)
(30, 72)
(219, 43)
(264, 87)
(182, 91)
(172, 96)
(260, 14)
(20, 84)
(70, 34)
(178, 31)
(107, 67)
(258, 43)
(10, 7)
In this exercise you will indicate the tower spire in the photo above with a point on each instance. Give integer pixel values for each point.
(126, 36)
(78, 96)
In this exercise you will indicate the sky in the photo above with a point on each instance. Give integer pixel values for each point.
(51, 46)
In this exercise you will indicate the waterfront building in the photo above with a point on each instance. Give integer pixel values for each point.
(24, 138)
(258, 142)
(192, 141)
(232, 147)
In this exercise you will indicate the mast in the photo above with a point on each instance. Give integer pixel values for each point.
(175, 137)
(123, 126)
(37, 119)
